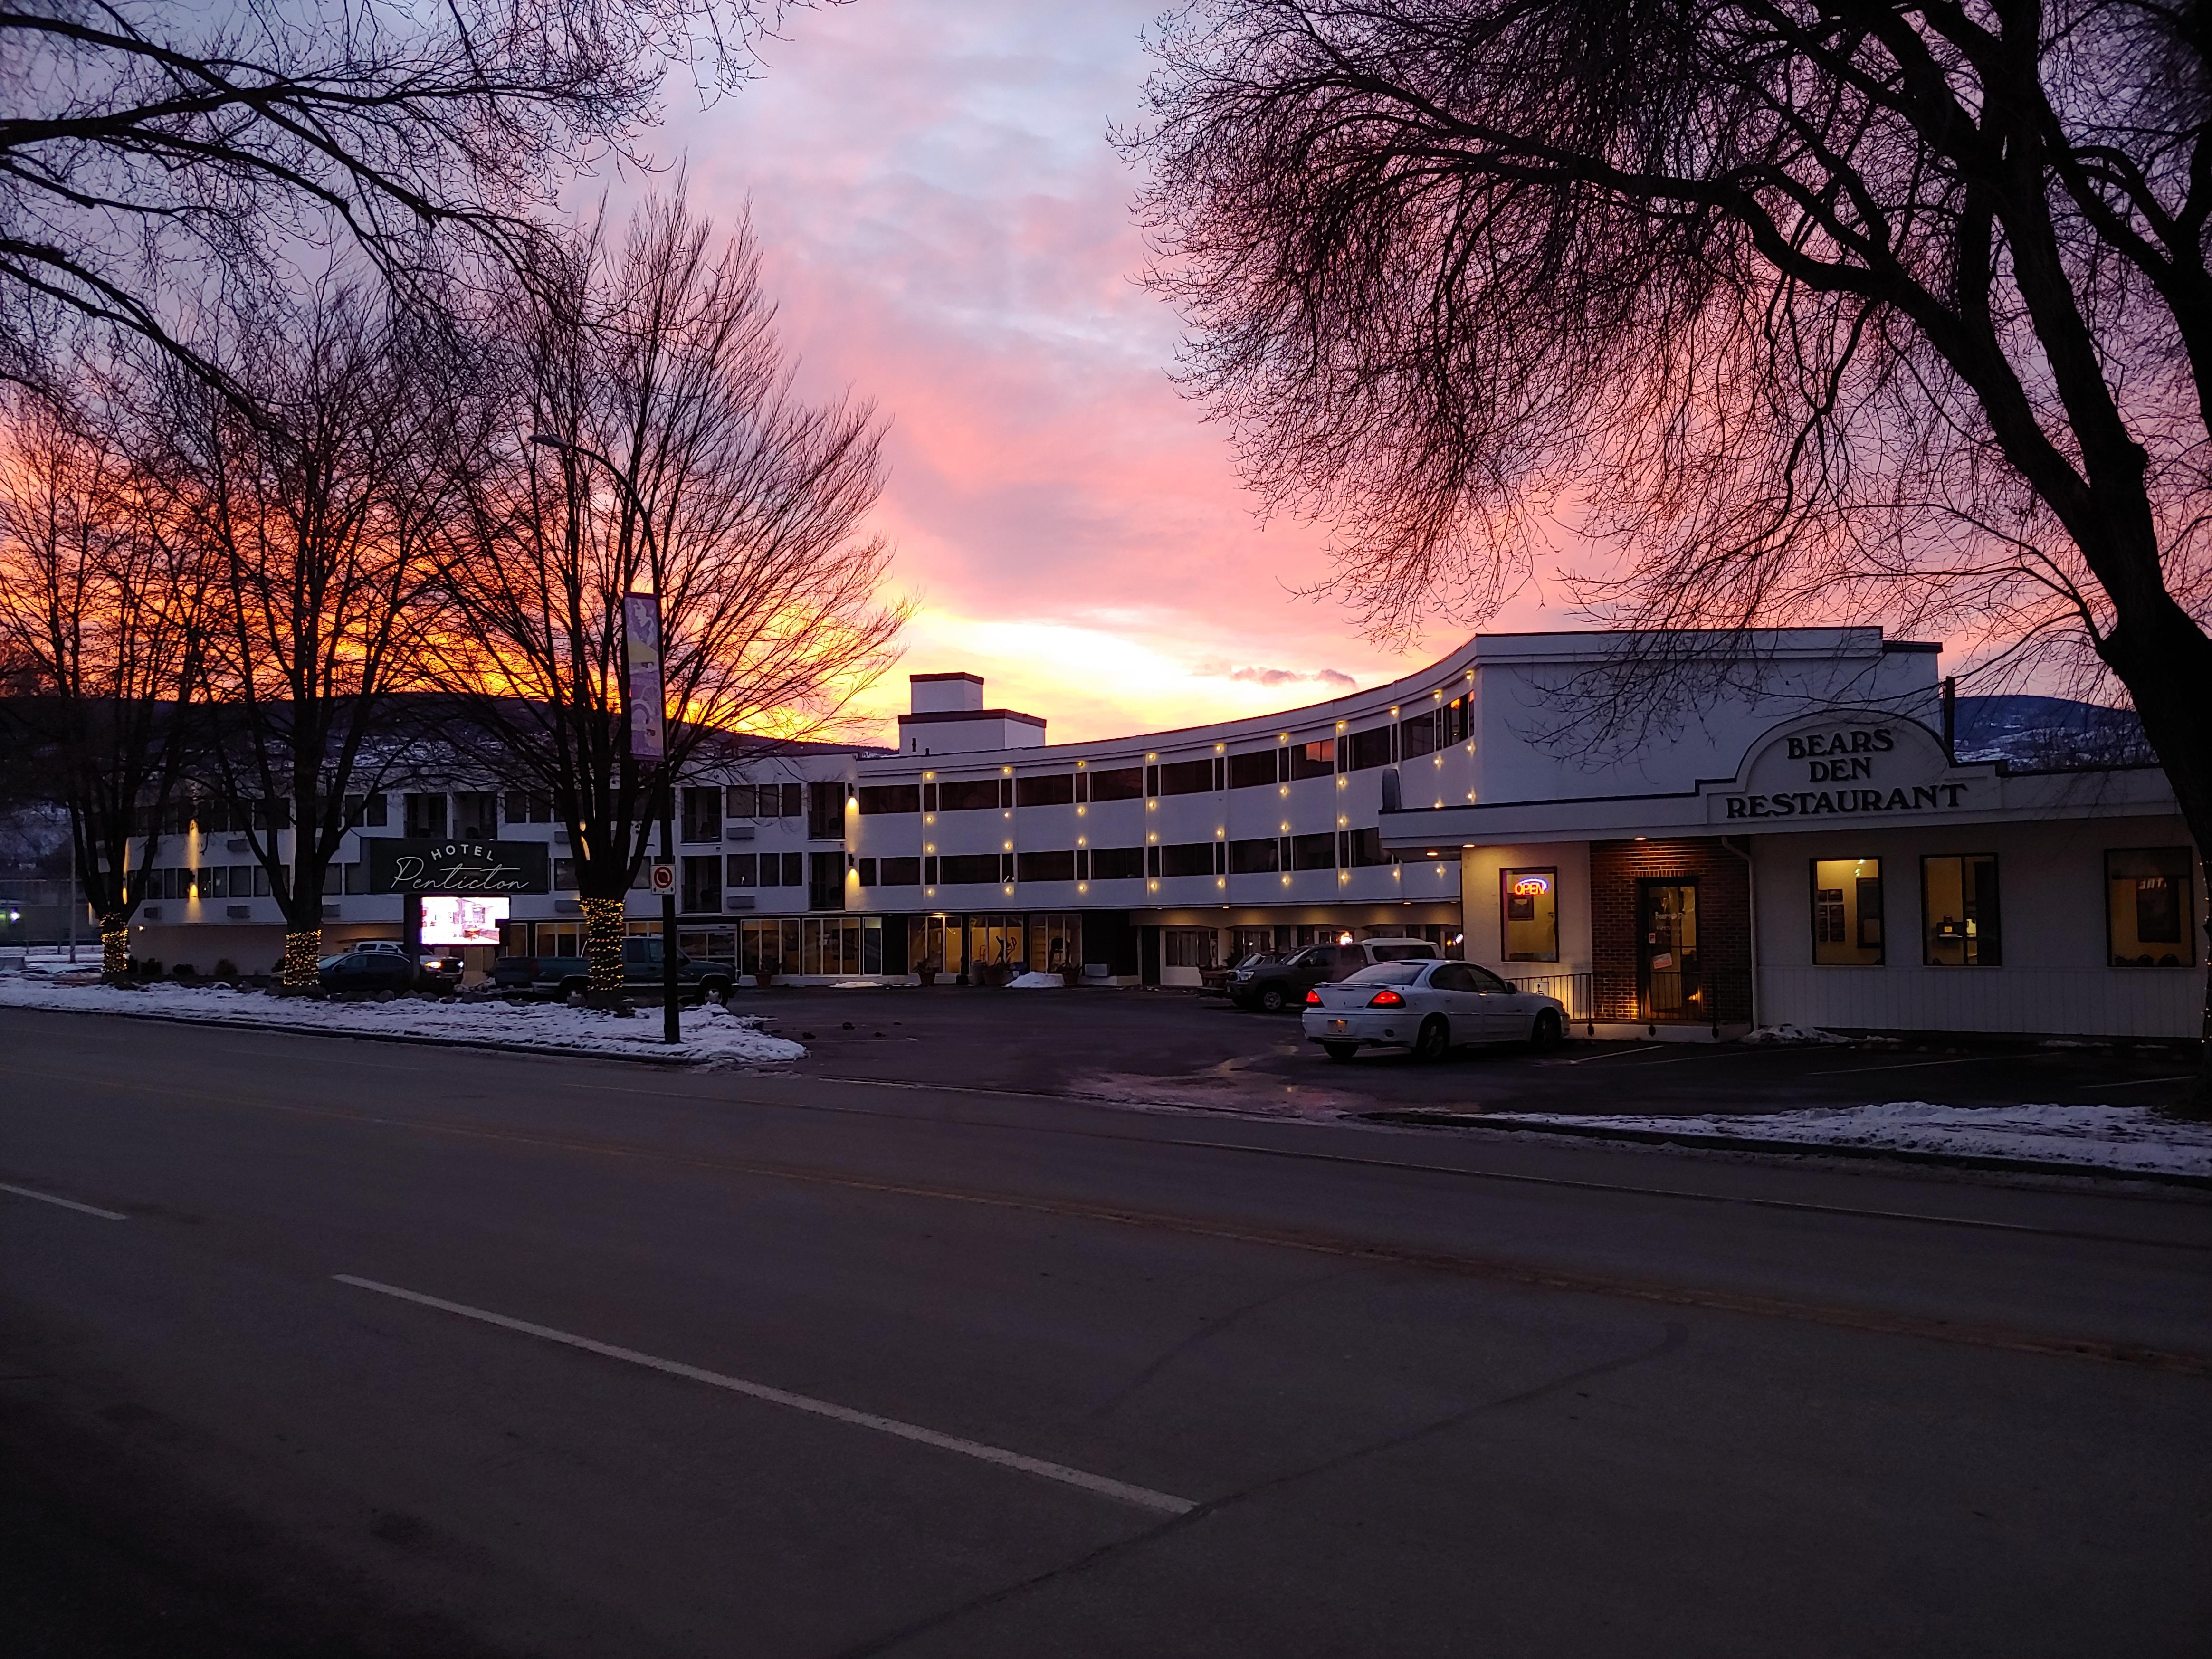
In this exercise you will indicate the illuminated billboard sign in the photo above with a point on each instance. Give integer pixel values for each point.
(457, 919)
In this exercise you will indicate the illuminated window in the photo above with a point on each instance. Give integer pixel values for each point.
(1529, 908)
(1959, 912)
(2150, 907)
(1847, 912)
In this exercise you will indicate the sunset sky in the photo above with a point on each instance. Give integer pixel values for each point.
(948, 231)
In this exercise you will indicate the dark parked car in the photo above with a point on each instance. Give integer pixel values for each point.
(640, 971)
(378, 970)
(1270, 986)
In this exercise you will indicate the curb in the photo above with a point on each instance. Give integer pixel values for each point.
(669, 1061)
(1794, 1148)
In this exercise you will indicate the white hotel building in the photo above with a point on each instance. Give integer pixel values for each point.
(1803, 848)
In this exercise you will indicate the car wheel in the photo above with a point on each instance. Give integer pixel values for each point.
(1434, 1041)
(715, 990)
(1340, 1051)
(1546, 1033)
(1272, 1001)
(573, 987)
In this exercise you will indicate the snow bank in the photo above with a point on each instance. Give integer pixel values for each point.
(2118, 1138)
(709, 1032)
(1033, 981)
(1790, 1036)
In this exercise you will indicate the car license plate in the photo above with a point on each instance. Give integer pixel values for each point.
(1336, 1025)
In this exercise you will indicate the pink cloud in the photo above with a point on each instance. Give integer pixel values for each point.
(948, 233)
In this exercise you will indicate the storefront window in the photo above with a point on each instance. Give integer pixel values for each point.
(1529, 901)
(1959, 911)
(1847, 912)
(1187, 947)
(2150, 907)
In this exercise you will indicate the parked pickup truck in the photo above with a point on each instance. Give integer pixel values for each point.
(640, 971)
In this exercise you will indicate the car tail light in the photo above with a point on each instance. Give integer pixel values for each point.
(1313, 998)
(1386, 1000)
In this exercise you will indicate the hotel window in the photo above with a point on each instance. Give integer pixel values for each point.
(1416, 734)
(826, 814)
(1315, 852)
(476, 815)
(1364, 848)
(702, 883)
(1188, 858)
(359, 809)
(1455, 721)
(1253, 770)
(969, 869)
(969, 795)
(1117, 863)
(901, 872)
(1252, 858)
(702, 814)
(1959, 911)
(426, 816)
(761, 800)
(1118, 783)
(529, 807)
(1186, 777)
(564, 875)
(2150, 907)
(878, 798)
(1045, 866)
(1052, 789)
(1313, 760)
(1529, 906)
(1370, 748)
(1847, 912)
(742, 869)
(1187, 947)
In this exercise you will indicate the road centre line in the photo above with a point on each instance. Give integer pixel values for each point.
(66, 1203)
(1098, 1484)
(1905, 1065)
(2138, 1082)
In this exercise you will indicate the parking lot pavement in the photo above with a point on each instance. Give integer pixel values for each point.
(1175, 1049)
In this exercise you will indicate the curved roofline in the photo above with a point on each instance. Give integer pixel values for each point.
(1495, 650)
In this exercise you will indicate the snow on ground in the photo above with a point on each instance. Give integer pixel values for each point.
(1788, 1035)
(2118, 1138)
(709, 1032)
(1034, 982)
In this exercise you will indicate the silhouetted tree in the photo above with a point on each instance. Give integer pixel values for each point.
(316, 484)
(1812, 308)
(645, 437)
(147, 149)
(101, 618)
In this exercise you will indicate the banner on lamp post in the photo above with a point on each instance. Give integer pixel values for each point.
(648, 736)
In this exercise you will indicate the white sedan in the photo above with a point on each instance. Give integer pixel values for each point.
(1430, 1007)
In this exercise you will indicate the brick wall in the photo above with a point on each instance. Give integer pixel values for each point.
(1723, 921)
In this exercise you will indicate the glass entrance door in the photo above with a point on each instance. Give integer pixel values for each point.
(1667, 954)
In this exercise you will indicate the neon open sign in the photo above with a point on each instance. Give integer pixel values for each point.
(1531, 886)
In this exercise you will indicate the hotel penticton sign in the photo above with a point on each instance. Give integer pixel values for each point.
(457, 865)
(1851, 768)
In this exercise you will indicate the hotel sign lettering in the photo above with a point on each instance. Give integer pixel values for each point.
(455, 865)
(1851, 770)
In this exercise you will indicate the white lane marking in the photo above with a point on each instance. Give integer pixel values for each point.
(1905, 1065)
(1617, 1054)
(2138, 1082)
(66, 1203)
(1142, 1497)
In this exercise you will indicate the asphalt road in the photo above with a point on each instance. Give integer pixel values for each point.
(340, 1348)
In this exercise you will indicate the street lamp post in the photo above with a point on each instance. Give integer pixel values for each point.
(671, 1026)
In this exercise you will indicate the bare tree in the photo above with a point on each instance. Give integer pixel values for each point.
(1812, 307)
(649, 440)
(100, 612)
(147, 149)
(316, 491)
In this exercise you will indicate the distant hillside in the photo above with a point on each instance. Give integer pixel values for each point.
(2046, 733)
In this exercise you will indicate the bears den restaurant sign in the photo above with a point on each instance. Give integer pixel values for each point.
(1851, 771)
(453, 866)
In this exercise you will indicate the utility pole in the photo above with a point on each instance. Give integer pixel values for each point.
(642, 623)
